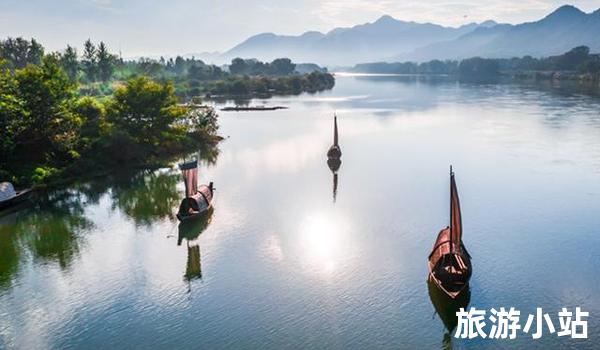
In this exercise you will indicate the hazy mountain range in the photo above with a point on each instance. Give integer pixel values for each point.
(389, 39)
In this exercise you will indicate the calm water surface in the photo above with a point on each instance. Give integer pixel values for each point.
(280, 264)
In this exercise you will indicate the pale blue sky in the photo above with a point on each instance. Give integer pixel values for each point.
(146, 27)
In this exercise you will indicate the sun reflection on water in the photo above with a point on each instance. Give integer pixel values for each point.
(324, 243)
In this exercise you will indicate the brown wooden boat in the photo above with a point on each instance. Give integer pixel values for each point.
(334, 152)
(449, 262)
(198, 199)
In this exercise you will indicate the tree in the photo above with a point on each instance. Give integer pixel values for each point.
(46, 128)
(282, 66)
(478, 68)
(573, 58)
(105, 62)
(90, 64)
(11, 115)
(35, 52)
(68, 62)
(146, 110)
(238, 66)
(20, 52)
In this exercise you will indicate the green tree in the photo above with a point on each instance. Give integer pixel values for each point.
(20, 52)
(282, 66)
(68, 62)
(11, 115)
(147, 110)
(89, 61)
(36, 107)
(35, 52)
(238, 66)
(105, 61)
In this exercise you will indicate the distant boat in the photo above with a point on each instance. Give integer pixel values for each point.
(10, 197)
(334, 152)
(198, 199)
(449, 262)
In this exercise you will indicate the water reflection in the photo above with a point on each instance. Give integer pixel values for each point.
(190, 230)
(325, 243)
(334, 165)
(49, 232)
(447, 307)
(147, 196)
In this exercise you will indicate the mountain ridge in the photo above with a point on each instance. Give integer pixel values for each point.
(385, 36)
(389, 39)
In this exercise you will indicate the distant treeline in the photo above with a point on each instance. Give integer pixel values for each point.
(96, 68)
(577, 63)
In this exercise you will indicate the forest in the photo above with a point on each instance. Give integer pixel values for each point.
(577, 63)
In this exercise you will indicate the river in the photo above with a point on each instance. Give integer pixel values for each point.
(291, 258)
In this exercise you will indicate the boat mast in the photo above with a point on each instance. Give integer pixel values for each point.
(451, 228)
(335, 130)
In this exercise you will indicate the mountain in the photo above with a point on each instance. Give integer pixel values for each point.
(560, 31)
(386, 37)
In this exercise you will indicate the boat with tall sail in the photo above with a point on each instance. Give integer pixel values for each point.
(449, 262)
(198, 199)
(334, 152)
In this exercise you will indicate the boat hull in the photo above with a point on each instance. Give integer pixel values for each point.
(18, 198)
(196, 205)
(334, 152)
(450, 267)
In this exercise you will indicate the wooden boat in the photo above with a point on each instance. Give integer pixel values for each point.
(198, 199)
(10, 197)
(334, 152)
(449, 262)
(447, 307)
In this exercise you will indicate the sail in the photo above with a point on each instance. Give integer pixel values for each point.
(455, 216)
(335, 131)
(189, 171)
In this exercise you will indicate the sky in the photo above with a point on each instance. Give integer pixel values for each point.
(151, 27)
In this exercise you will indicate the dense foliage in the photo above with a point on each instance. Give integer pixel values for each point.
(47, 130)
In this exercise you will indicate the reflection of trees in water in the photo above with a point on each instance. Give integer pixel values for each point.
(50, 229)
(147, 196)
(10, 253)
(48, 232)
